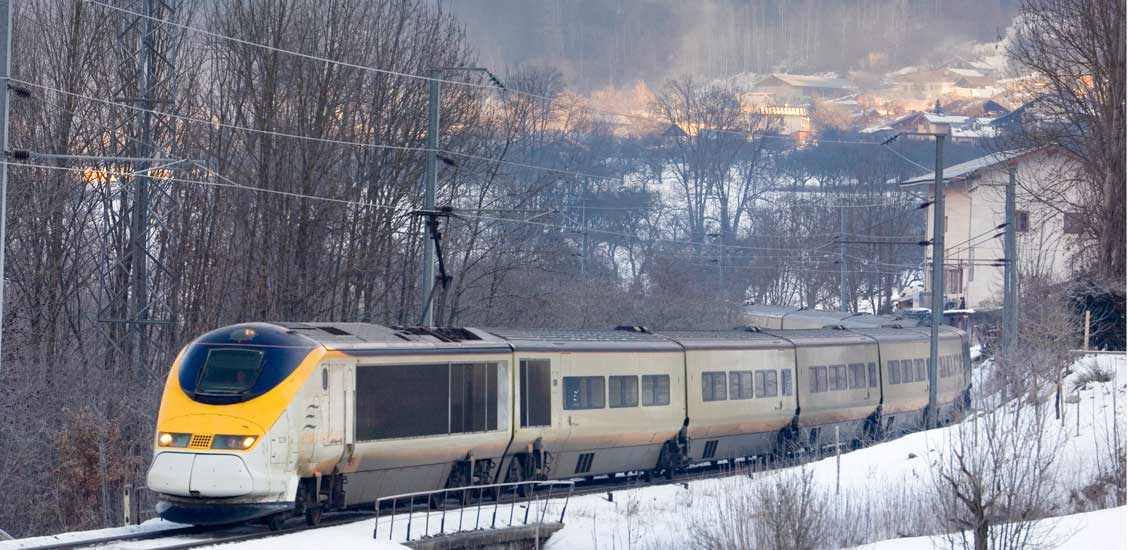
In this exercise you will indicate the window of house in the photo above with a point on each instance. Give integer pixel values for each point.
(766, 383)
(713, 386)
(872, 368)
(921, 368)
(894, 368)
(622, 391)
(655, 390)
(1073, 225)
(1022, 221)
(907, 371)
(584, 392)
(740, 384)
(785, 382)
(953, 280)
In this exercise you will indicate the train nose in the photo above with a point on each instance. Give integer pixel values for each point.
(200, 475)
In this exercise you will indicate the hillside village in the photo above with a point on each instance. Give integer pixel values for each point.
(969, 98)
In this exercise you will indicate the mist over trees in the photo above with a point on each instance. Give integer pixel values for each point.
(598, 43)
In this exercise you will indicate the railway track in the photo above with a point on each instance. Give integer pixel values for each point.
(197, 537)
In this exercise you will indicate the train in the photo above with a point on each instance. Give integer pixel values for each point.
(263, 422)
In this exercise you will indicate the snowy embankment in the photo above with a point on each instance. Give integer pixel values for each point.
(881, 487)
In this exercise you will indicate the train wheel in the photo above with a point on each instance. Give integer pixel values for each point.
(313, 516)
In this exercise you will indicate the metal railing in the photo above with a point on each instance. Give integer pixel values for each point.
(493, 496)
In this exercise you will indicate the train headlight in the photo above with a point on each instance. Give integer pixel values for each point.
(237, 442)
(167, 439)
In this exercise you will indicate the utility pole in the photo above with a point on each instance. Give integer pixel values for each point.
(427, 274)
(427, 280)
(1010, 268)
(937, 279)
(583, 233)
(721, 262)
(6, 66)
(843, 295)
(139, 223)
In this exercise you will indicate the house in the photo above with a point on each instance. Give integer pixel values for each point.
(794, 89)
(960, 128)
(974, 214)
(794, 121)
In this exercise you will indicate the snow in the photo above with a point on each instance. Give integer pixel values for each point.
(662, 516)
(147, 527)
(1089, 530)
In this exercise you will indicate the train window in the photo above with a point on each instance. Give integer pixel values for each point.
(894, 368)
(785, 382)
(713, 386)
(872, 368)
(837, 377)
(584, 392)
(229, 371)
(473, 397)
(655, 390)
(857, 375)
(402, 401)
(536, 392)
(921, 368)
(907, 371)
(818, 379)
(622, 391)
(740, 384)
(765, 383)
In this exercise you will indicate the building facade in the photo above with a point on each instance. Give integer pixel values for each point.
(975, 213)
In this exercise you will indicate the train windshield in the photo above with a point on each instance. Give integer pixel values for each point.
(241, 362)
(229, 371)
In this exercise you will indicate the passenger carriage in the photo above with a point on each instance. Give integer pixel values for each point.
(275, 419)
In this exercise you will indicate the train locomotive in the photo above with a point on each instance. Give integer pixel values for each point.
(268, 421)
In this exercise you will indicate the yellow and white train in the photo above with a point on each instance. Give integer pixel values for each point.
(265, 421)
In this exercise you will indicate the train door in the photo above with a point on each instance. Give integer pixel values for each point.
(349, 412)
(331, 405)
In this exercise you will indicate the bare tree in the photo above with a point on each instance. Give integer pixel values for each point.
(1076, 49)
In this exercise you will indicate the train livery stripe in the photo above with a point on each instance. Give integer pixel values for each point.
(179, 413)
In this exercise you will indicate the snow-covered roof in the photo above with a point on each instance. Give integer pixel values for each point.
(812, 81)
(967, 169)
(966, 72)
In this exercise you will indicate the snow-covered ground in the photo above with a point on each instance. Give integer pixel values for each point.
(875, 479)
(1103, 529)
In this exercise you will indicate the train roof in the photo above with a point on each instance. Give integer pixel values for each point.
(368, 338)
(890, 334)
(769, 311)
(821, 336)
(796, 318)
(725, 339)
(583, 340)
(372, 339)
